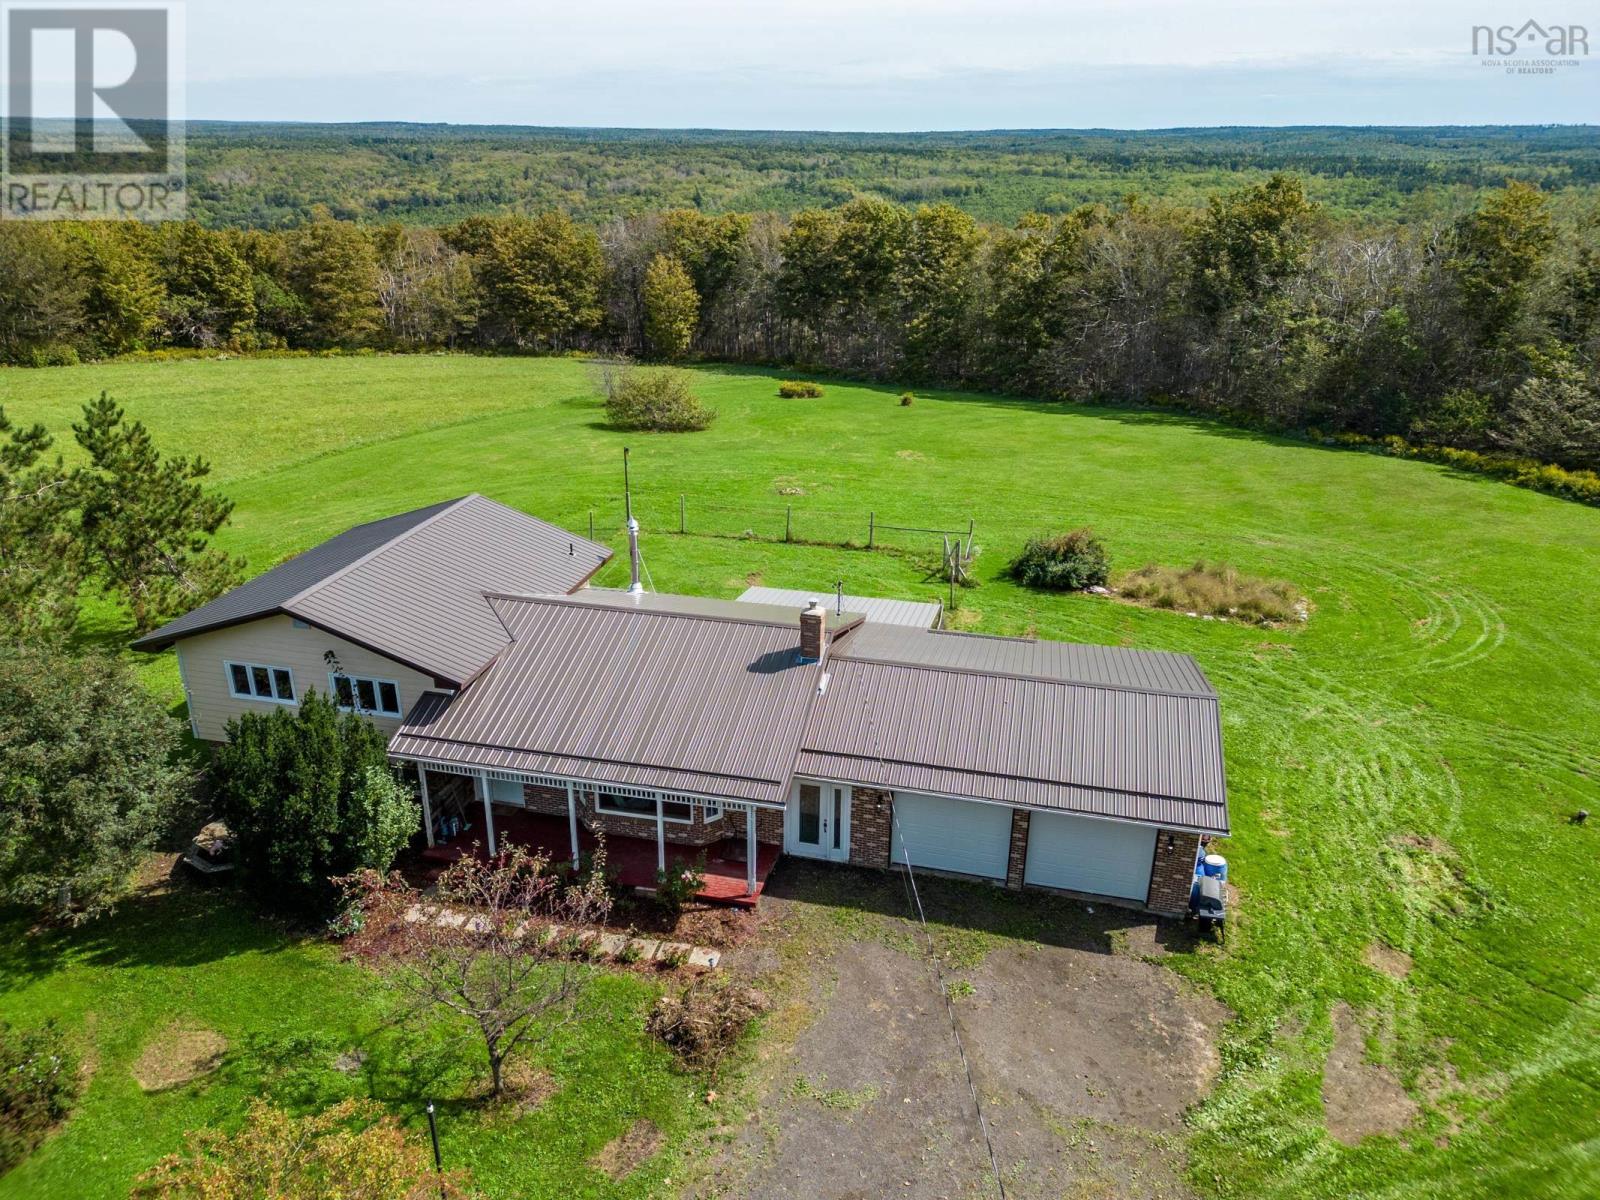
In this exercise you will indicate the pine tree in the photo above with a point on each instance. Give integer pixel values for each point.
(146, 521)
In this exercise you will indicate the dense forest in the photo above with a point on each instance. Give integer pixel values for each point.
(1478, 331)
(268, 175)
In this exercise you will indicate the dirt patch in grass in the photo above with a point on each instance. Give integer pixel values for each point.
(622, 1156)
(1106, 1037)
(177, 1055)
(911, 455)
(1382, 957)
(1360, 1099)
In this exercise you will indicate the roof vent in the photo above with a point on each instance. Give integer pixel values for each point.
(813, 627)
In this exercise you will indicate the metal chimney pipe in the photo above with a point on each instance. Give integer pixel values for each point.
(635, 585)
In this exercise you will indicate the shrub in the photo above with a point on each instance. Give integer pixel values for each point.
(659, 401)
(38, 1085)
(905, 399)
(57, 355)
(353, 1150)
(1214, 589)
(802, 389)
(705, 1020)
(1068, 562)
(304, 794)
(90, 772)
(677, 885)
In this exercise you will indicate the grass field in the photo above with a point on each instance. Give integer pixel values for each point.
(1402, 768)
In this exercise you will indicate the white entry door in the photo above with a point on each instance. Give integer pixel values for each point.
(818, 822)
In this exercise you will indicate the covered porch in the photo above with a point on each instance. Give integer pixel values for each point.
(491, 812)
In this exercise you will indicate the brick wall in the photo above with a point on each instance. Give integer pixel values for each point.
(871, 825)
(1173, 873)
(769, 826)
(1017, 862)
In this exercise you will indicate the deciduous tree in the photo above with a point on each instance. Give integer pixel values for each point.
(671, 307)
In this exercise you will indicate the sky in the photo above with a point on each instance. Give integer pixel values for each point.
(878, 64)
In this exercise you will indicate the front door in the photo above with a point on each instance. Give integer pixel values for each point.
(819, 821)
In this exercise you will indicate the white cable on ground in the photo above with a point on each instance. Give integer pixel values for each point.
(949, 1005)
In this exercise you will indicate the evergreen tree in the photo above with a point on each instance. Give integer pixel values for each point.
(89, 770)
(41, 564)
(146, 521)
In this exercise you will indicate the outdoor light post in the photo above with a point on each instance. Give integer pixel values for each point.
(438, 1163)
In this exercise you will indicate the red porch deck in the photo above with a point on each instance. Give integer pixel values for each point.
(632, 859)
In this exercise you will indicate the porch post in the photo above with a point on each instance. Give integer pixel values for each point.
(427, 809)
(750, 850)
(661, 838)
(572, 823)
(488, 810)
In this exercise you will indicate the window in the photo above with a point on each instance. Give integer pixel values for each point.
(371, 697)
(252, 681)
(616, 805)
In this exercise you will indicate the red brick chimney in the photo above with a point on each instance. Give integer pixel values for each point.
(813, 628)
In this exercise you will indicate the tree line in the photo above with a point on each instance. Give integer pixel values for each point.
(1479, 332)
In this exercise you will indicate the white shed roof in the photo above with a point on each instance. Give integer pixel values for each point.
(876, 609)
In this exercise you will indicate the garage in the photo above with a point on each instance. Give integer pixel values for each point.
(953, 835)
(1081, 854)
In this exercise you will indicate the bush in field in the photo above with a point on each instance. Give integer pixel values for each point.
(90, 769)
(308, 795)
(38, 1086)
(907, 399)
(352, 1151)
(802, 389)
(659, 400)
(1068, 562)
(1214, 589)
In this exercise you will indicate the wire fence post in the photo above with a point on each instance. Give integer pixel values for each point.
(683, 526)
(438, 1162)
(788, 521)
(591, 524)
(872, 527)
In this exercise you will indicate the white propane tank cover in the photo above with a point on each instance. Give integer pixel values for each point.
(1216, 860)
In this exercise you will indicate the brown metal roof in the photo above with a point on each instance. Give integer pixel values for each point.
(1070, 662)
(412, 587)
(1105, 749)
(644, 694)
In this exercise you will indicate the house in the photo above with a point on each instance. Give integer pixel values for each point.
(537, 708)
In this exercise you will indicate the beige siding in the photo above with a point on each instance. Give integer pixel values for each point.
(275, 642)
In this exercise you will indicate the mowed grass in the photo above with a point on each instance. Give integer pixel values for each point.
(1401, 769)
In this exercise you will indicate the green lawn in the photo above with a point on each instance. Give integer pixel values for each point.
(1402, 768)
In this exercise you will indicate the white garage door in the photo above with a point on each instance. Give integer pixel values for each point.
(952, 835)
(1107, 858)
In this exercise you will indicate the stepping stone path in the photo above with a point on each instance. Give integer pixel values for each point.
(610, 943)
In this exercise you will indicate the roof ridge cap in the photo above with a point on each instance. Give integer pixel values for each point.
(573, 600)
(450, 506)
(846, 656)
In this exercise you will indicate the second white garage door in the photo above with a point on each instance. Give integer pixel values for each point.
(952, 835)
(1080, 854)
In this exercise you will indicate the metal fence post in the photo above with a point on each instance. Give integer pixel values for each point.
(872, 526)
(591, 524)
(788, 521)
(682, 521)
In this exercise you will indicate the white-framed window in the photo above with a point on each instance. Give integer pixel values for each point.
(711, 811)
(367, 696)
(258, 681)
(621, 804)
